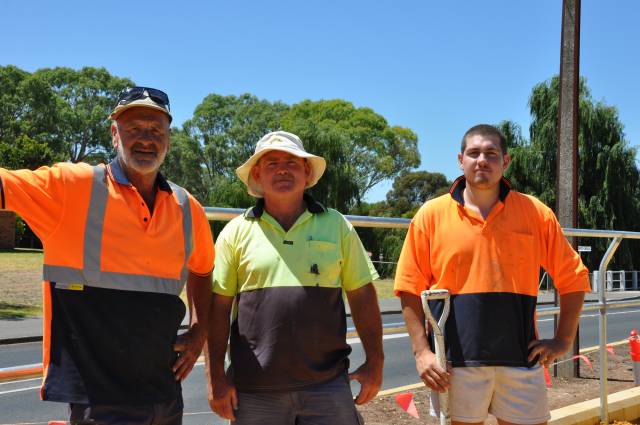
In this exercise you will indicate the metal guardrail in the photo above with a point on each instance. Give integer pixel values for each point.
(224, 214)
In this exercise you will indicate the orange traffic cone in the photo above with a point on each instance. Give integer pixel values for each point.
(634, 348)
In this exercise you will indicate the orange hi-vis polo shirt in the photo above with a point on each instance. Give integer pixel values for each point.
(491, 268)
(113, 274)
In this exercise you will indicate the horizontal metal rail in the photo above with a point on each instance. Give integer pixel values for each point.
(224, 214)
(589, 306)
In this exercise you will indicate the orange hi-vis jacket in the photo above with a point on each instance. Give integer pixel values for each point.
(491, 268)
(113, 273)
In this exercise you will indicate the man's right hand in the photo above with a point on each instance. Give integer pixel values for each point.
(223, 398)
(430, 371)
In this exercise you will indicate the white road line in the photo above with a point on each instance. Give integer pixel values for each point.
(19, 381)
(353, 340)
(27, 423)
(612, 313)
(19, 390)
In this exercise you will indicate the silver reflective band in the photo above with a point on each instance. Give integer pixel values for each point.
(112, 280)
(91, 275)
(183, 199)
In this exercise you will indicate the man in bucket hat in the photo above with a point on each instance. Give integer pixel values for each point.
(286, 262)
(119, 243)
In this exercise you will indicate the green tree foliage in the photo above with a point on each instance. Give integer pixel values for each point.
(85, 99)
(609, 180)
(183, 163)
(360, 147)
(28, 113)
(411, 189)
(221, 135)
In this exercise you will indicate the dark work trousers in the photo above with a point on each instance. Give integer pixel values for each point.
(166, 413)
(330, 403)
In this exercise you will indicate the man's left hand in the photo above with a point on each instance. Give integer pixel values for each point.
(548, 350)
(369, 375)
(189, 346)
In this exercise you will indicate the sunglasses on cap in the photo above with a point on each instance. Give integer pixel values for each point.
(134, 93)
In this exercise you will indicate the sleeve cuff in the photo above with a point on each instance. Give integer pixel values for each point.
(2, 207)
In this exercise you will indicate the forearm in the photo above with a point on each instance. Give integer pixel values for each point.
(366, 318)
(570, 307)
(199, 300)
(414, 319)
(219, 325)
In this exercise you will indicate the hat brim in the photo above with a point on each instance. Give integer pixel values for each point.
(317, 165)
(140, 103)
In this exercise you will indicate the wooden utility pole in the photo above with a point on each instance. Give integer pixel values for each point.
(567, 159)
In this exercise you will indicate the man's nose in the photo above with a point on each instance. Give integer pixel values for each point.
(281, 168)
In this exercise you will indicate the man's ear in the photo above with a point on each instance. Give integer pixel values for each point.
(506, 160)
(460, 161)
(307, 171)
(115, 136)
(255, 173)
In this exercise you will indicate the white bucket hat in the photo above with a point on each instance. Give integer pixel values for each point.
(280, 141)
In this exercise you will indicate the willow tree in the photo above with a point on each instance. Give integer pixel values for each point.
(608, 176)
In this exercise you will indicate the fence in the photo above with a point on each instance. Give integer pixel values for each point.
(617, 280)
(225, 214)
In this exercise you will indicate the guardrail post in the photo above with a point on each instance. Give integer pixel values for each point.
(634, 280)
(623, 280)
(609, 280)
(603, 273)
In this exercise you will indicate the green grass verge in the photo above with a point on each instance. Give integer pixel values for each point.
(384, 288)
(21, 284)
(17, 311)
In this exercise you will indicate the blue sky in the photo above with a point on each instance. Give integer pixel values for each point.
(435, 67)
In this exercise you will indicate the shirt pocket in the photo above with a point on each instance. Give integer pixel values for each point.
(324, 261)
(521, 265)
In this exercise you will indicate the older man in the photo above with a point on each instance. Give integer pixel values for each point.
(119, 243)
(286, 262)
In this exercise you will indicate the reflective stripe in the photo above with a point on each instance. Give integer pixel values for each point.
(113, 280)
(183, 199)
(91, 275)
(95, 222)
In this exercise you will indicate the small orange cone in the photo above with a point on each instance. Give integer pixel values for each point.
(405, 401)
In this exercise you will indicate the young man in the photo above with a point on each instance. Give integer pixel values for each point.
(119, 243)
(286, 263)
(485, 243)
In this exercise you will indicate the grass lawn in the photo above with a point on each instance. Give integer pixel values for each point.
(21, 284)
(384, 288)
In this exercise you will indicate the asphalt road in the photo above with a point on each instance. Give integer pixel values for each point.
(19, 401)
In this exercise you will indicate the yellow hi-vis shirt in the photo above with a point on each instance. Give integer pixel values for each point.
(289, 331)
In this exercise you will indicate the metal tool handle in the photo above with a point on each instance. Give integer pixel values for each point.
(437, 329)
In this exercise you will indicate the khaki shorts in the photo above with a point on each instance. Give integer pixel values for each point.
(513, 394)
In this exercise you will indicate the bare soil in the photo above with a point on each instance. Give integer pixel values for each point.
(563, 392)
